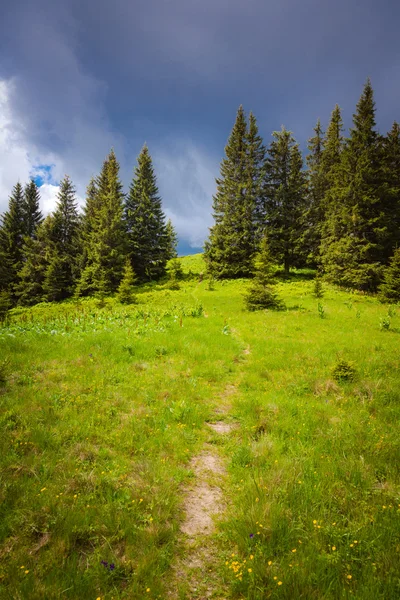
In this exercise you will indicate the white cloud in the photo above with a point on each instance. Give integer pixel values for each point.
(186, 179)
(15, 163)
(48, 197)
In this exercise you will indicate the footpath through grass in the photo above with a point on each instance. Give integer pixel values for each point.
(102, 408)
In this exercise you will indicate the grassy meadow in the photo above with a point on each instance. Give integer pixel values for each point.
(102, 407)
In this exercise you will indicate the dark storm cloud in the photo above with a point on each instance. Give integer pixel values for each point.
(88, 75)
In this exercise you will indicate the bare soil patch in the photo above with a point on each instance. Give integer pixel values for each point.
(222, 427)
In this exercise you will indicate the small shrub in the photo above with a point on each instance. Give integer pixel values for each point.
(197, 311)
(160, 351)
(260, 297)
(349, 303)
(129, 349)
(175, 269)
(318, 290)
(125, 293)
(210, 284)
(385, 323)
(172, 284)
(344, 371)
(321, 311)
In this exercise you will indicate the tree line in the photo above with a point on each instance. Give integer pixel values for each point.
(339, 213)
(116, 240)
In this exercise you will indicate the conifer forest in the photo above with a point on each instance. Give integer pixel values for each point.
(337, 211)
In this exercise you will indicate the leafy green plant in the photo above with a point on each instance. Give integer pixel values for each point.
(385, 323)
(321, 311)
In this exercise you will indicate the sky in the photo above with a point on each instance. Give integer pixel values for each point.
(78, 77)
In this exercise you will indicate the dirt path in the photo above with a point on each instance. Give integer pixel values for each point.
(194, 574)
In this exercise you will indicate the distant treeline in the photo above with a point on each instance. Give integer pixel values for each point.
(341, 214)
(71, 253)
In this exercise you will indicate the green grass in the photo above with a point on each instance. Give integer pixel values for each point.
(101, 410)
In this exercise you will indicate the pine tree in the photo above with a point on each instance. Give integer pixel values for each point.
(333, 144)
(318, 290)
(356, 229)
(149, 246)
(87, 225)
(332, 175)
(11, 238)
(32, 214)
(260, 294)
(391, 189)
(254, 216)
(125, 293)
(231, 246)
(313, 216)
(174, 269)
(389, 290)
(37, 251)
(63, 255)
(5, 305)
(285, 199)
(105, 245)
(172, 240)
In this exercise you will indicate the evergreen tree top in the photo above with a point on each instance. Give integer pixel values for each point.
(364, 121)
(12, 219)
(315, 146)
(31, 208)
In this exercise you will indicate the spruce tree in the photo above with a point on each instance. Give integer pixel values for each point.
(63, 255)
(313, 216)
(332, 176)
(391, 190)
(11, 238)
(231, 246)
(149, 246)
(260, 294)
(88, 219)
(285, 199)
(172, 240)
(254, 217)
(389, 290)
(356, 229)
(125, 292)
(5, 305)
(29, 288)
(105, 245)
(31, 210)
